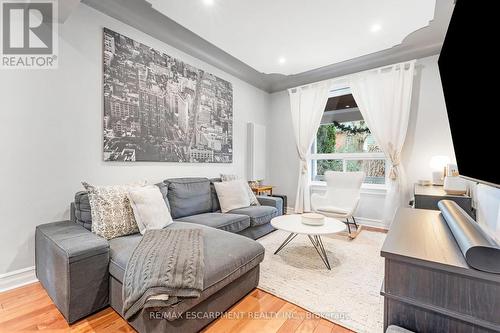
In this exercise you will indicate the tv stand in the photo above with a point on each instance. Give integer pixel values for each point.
(428, 286)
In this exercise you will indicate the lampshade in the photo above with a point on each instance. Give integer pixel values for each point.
(439, 162)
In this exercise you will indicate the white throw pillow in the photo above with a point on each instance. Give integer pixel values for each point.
(232, 195)
(150, 210)
(251, 195)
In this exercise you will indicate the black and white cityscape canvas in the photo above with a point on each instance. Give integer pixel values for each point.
(158, 108)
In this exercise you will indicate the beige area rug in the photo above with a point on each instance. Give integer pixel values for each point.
(348, 295)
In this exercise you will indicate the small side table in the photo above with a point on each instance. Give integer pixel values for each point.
(263, 189)
(427, 197)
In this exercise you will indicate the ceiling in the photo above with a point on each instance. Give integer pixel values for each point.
(266, 34)
(295, 36)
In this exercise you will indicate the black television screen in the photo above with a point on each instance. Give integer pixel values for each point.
(468, 66)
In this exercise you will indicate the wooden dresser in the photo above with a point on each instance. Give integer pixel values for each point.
(428, 286)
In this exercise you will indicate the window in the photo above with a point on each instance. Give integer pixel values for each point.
(344, 142)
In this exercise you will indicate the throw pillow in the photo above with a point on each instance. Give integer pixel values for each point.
(112, 215)
(251, 195)
(232, 195)
(150, 210)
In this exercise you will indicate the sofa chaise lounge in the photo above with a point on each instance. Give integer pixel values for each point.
(83, 272)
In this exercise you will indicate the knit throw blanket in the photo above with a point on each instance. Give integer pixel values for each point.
(166, 264)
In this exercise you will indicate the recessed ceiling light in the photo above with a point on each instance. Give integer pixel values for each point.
(347, 106)
(376, 27)
(282, 60)
(208, 2)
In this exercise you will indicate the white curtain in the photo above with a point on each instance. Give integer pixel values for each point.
(307, 105)
(384, 97)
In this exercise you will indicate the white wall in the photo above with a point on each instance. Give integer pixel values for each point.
(50, 126)
(428, 131)
(282, 153)
(428, 135)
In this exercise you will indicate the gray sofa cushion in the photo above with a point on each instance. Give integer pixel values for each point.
(213, 193)
(259, 215)
(164, 192)
(276, 202)
(226, 222)
(82, 212)
(188, 196)
(227, 255)
(257, 232)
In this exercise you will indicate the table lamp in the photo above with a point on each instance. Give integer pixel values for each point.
(438, 165)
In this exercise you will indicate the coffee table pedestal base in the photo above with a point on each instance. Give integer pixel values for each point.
(316, 242)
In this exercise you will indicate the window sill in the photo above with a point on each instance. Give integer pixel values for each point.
(365, 188)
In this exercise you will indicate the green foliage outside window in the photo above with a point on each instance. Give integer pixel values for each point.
(326, 139)
(351, 137)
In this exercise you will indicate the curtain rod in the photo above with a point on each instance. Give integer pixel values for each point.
(343, 77)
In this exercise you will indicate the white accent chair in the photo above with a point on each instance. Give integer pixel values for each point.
(341, 198)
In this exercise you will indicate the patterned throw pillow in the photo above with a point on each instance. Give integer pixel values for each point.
(251, 195)
(112, 215)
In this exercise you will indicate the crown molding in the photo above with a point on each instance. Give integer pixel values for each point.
(373, 60)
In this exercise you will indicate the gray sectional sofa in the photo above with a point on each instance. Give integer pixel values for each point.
(83, 272)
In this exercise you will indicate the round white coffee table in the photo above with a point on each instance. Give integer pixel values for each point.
(293, 224)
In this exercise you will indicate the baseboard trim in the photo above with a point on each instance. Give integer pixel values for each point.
(371, 222)
(19, 278)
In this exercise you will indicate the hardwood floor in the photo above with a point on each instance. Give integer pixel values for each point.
(29, 309)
